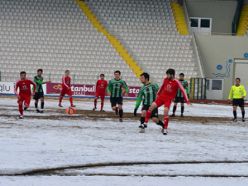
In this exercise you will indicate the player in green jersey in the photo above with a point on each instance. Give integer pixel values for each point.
(179, 97)
(117, 88)
(147, 94)
(39, 93)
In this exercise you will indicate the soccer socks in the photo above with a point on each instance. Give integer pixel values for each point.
(102, 103)
(148, 116)
(160, 123)
(95, 102)
(243, 112)
(182, 109)
(235, 114)
(166, 122)
(20, 109)
(36, 104)
(142, 120)
(174, 109)
(71, 101)
(120, 113)
(60, 99)
(42, 105)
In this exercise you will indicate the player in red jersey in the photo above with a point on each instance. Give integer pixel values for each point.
(101, 86)
(66, 88)
(24, 94)
(165, 96)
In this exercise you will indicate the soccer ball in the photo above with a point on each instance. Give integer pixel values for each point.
(70, 110)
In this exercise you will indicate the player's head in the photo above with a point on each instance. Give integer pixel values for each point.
(117, 74)
(237, 81)
(170, 73)
(23, 75)
(181, 76)
(67, 72)
(39, 72)
(102, 76)
(144, 78)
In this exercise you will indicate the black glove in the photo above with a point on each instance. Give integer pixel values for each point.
(135, 112)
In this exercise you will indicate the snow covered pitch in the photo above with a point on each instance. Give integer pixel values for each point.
(93, 148)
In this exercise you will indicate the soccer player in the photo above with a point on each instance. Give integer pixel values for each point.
(39, 93)
(24, 94)
(147, 94)
(165, 95)
(117, 88)
(66, 88)
(101, 86)
(237, 95)
(179, 97)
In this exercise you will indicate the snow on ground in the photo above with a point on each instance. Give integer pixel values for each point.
(41, 143)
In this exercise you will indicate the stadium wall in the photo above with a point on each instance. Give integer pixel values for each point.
(218, 53)
(221, 22)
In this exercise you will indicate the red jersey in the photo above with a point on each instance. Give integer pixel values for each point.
(24, 87)
(169, 89)
(101, 86)
(66, 82)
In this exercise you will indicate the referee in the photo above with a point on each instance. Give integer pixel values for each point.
(237, 95)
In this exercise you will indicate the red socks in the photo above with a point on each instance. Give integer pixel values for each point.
(148, 116)
(166, 122)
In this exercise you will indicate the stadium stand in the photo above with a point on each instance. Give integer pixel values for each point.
(56, 35)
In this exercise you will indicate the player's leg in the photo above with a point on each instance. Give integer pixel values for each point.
(69, 93)
(156, 119)
(27, 100)
(182, 108)
(142, 117)
(242, 108)
(120, 108)
(156, 104)
(36, 101)
(42, 103)
(20, 106)
(102, 102)
(166, 120)
(174, 108)
(113, 105)
(62, 94)
(95, 102)
(235, 110)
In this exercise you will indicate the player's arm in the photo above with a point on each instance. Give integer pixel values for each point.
(16, 88)
(183, 91)
(109, 87)
(138, 102)
(34, 86)
(161, 88)
(64, 83)
(97, 85)
(244, 92)
(125, 87)
(230, 97)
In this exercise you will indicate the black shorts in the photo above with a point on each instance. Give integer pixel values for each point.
(38, 95)
(115, 101)
(154, 112)
(179, 100)
(238, 102)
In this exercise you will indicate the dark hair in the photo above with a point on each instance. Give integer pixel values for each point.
(170, 71)
(102, 75)
(181, 74)
(22, 72)
(238, 79)
(67, 71)
(117, 71)
(40, 70)
(146, 75)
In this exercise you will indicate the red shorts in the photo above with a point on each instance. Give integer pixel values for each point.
(65, 91)
(100, 94)
(163, 101)
(24, 99)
